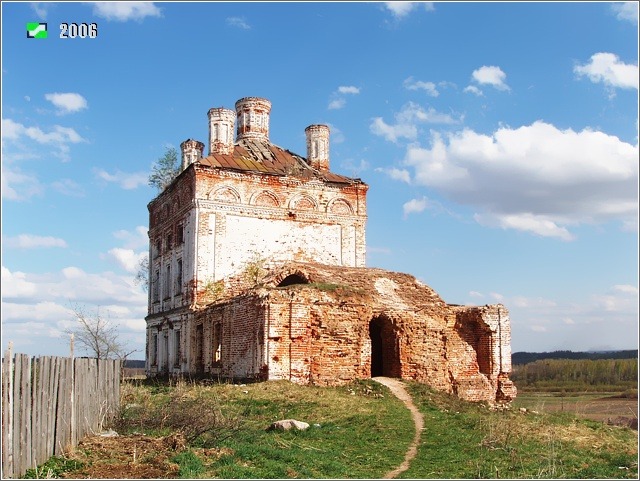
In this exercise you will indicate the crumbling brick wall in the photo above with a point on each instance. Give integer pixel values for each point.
(364, 322)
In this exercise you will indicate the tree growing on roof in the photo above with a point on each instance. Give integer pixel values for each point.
(165, 169)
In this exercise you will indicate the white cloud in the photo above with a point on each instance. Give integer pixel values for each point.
(67, 102)
(535, 178)
(407, 121)
(414, 206)
(627, 11)
(348, 89)
(19, 186)
(29, 241)
(41, 9)
(402, 9)
(393, 132)
(428, 87)
(474, 90)
(608, 69)
(490, 75)
(337, 104)
(68, 187)
(396, 174)
(124, 180)
(60, 137)
(127, 259)
(238, 22)
(134, 240)
(124, 11)
(596, 320)
(526, 222)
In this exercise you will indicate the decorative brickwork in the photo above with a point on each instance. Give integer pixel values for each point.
(257, 272)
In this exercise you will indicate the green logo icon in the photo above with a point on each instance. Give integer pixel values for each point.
(36, 30)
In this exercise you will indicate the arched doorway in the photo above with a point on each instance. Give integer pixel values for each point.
(385, 351)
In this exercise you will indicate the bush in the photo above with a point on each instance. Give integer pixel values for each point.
(189, 409)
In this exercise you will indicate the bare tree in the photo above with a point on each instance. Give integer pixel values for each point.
(142, 276)
(98, 336)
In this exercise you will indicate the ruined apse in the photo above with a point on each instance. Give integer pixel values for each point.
(257, 273)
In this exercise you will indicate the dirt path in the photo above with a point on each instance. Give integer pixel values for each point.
(398, 390)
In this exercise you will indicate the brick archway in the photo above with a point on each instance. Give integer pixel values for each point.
(385, 349)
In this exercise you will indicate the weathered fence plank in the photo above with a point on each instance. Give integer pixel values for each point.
(37, 399)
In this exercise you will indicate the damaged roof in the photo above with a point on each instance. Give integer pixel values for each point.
(265, 157)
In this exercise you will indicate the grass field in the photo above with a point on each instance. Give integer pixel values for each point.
(356, 431)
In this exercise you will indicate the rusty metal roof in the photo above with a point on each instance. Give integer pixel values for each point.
(260, 156)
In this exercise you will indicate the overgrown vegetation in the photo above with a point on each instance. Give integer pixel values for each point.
(356, 431)
(165, 169)
(464, 440)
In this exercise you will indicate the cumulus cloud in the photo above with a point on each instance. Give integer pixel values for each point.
(490, 75)
(428, 87)
(338, 101)
(124, 11)
(536, 178)
(58, 136)
(415, 205)
(127, 259)
(337, 104)
(473, 90)
(609, 317)
(238, 22)
(607, 68)
(37, 308)
(626, 11)
(125, 180)
(67, 102)
(407, 121)
(134, 240)
(396, 174)
(348, 89)
(30, 241)
(402, 9)
(18, 186)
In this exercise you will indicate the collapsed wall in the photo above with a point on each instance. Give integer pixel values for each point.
(328, 325)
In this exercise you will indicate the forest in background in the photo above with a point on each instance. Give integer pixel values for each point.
(567, 371)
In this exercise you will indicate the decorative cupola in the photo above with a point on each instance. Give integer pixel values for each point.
(252, 115)
(318, 146)
(191, 151)
(221, 130)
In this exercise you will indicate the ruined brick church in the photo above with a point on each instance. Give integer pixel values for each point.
(257, 271)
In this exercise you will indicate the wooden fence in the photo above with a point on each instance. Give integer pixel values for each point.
(49, 403)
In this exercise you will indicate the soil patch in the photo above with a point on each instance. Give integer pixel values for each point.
(130, 457)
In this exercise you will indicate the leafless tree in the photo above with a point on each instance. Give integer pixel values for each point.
(142, 276)
(98, 336)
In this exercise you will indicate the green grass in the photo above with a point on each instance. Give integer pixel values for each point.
(362, 431)
(191, 466)
(52, 468)
(463, 440)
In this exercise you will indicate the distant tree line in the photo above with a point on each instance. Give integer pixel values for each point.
(573, 375)
(527, 357)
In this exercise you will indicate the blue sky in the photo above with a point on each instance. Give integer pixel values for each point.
(499, 141)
